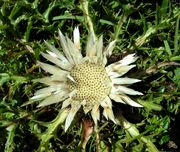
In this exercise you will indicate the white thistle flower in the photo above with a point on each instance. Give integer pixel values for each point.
(85, 81)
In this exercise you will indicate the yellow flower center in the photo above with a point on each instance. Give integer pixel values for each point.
(91, 82)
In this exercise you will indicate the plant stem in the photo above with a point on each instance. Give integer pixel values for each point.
(48, 134)
(98, 148)
(84, 4)
(118, 27)
(134, 132)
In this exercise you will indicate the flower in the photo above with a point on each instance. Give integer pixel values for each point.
(86, 82)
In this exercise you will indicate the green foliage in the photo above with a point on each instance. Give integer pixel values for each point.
(148, 28)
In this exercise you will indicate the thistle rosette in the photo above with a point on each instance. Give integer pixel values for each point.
(86, 82)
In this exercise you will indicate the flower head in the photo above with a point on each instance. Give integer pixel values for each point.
(86, 82)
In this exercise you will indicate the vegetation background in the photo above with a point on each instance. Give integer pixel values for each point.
(149, 28)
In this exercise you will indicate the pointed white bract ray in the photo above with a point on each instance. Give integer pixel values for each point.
(51, 69)
(71, 78)
(129, 101)
(108, 50)
(56, 51)
(86, 109)
(53, 80)
(124, 90)
(65, 47)
(76, 38)
(105, 113)
(71, 115)
(107, 105)
(72, 93)
(128, 59)
(121, 70)
(116, 98)
(99, 49)
(66, 103)
(104, 62)
(93, 60)
(57, 62)
(83, 103)
(95, 113)
(124, 80)
(108, 112)
(108, 102)
(91, 46)
(54, 98)
(40, 96)
(113, 75)
(75, 53)
(47, 90)
(52, 54)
